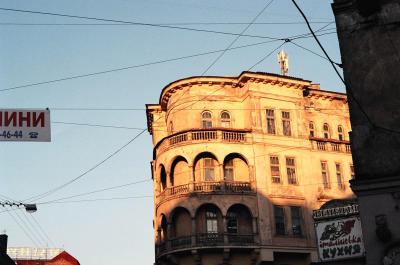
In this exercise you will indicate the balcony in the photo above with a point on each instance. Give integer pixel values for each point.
(200, 135)
(330, 145)
(209, 187)
(203, 240)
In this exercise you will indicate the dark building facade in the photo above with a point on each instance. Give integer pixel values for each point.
(369, 38)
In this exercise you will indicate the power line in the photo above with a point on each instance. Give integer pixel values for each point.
(266, 56)
(132, 23)
(98, 125)
(234, 41)
(22, 228)
(45, 194)
(129, 67)
(97, 191)
(168, 24)
(43, 231)
(145, 64)
(39, 237)
(102, 199)
(348, 88)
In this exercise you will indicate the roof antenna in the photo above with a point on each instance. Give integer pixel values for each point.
(283, 60)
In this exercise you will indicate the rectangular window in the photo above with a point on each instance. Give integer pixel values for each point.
(352, 171)
(279, 220)
(209, 169)
(339, 177)
(325, 175)
(228, 170)
(312, 130)
(270, 121)
(295, 212)
(291, 170)
(212, 222)
(232, 223)
(286, 123)
(275, 174)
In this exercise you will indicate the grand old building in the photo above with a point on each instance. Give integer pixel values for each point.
(239, 163)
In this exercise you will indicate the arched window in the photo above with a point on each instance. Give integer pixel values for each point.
(312, 129)
(325, 129)
(225, 119)
(206, 120)
(340, 133)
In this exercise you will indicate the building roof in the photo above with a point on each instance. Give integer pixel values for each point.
(33, 253)
(28, 256)
(312, 90)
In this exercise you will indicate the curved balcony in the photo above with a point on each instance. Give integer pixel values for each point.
(227, 135)
(209, 187)
(204, 240)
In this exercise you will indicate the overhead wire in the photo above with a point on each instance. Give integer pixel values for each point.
(22, 228)
(141, 65)
(172, 23)
(43, 231)
(47, 193)
(97, 191)
(132, 23)
(234, 40)
(42, 239)
(348, 88)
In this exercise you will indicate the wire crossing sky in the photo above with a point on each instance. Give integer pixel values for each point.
(100, 106)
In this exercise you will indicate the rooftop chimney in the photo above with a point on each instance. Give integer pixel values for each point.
(3, 243)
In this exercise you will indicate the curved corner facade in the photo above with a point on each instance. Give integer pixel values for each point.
(239, 163)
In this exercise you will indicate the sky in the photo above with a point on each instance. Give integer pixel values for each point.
(101, 228)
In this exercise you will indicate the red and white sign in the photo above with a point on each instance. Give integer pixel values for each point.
(25, 125)
(340, 239)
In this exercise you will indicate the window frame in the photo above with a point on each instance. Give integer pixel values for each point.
(311, 129)
(325, 174)
(206, 122)
(211, 223)
(340, 133)
(208, 168)
(229, 167)
(291, 170)
(279, 224)
(326, 132)
(271, 121)
(298, 219)
(339, 175)
(287, 121)
(232, 218)
(276, 179)
(225, 122)
(352, 172)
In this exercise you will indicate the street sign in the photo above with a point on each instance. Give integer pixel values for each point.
(25, 125)
(340, 239)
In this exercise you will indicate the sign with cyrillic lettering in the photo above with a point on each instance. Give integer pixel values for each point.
(340, 239)
(25, 125)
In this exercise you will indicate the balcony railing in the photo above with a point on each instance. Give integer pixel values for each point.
(195, 135)
(331, 145)
(206, 240)
(224, 187)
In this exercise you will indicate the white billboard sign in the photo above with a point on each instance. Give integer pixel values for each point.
(340, 239)
(25, 125)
